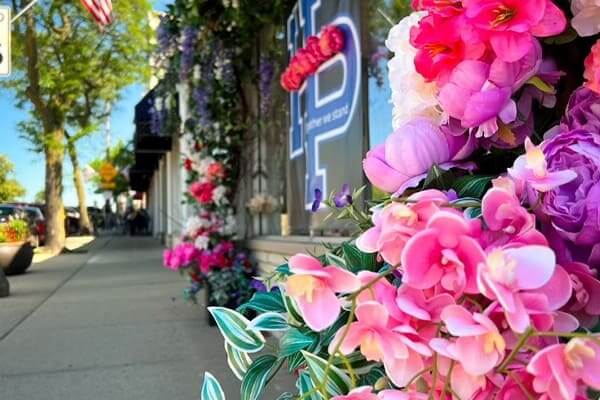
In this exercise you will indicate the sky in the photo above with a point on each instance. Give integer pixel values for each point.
(29, 166)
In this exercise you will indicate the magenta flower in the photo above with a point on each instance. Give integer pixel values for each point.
(558, 369)
(399, 348)
(585, 301)
(314, 288)
(408, 154)
(510, 276)
(479, 346)
(476, 101)
(360, 393)
(511, 25)
(445, 253)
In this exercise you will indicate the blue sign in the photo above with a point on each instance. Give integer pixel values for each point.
(324, 107)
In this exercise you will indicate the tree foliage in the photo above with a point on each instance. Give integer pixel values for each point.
(121, 155)
(10, 188)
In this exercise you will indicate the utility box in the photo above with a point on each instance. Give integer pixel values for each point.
(4, 41)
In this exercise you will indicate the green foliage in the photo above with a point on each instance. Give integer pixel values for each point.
(223, 282)
(270, 321)
(472, 185)
(10, 188)
(336, 381)
(259, 374)
(264, 302)
(238, 361)
(121, 155)
(211, 388)
(40, 196)
(356, 260)
(237, 330)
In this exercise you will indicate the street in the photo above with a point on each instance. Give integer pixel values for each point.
(103, 325)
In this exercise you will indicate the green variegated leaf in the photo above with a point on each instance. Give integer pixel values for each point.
(295, 361)
(286, 396)
(373, 377)
(270, 321)
(337, 381)
(238, 361)
(357, 260)
(466, 202)
(357, 361)
(264, 302)
(236, 330)
(292, 309)
(293, 341)
(472, 186)
(258, 375)
(211, 389)
(305, 385)
(332, 259)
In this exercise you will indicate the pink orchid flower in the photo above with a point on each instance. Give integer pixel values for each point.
(398, 222)
(413, 302)
(532, 168)
(585, 302)
(477, 102)
(360, 393)
(314, 288)
(479, 346)
(399, 348)
(559, 368)
(517, 386)
(511, 25)
(508, 275)
(445, 253)
(383, 292)
(401, 395)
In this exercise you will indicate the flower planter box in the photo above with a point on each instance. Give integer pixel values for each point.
(15, 258)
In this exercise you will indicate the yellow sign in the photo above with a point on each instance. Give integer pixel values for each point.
(107, 172)
(5, 41)
(108, 185)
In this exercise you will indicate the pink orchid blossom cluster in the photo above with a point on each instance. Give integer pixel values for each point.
(478, 307)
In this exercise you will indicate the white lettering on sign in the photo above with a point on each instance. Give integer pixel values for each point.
(4, 41)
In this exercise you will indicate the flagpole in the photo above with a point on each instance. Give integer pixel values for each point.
(23, 11)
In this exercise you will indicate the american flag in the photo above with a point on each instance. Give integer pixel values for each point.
(101, 10)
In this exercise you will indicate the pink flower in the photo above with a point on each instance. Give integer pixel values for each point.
(585, 302)
(202, 191)
(399, 348)
(398, 222)
(592, 69)
(360, 393)
(414, 303)
(410, 152)
(586, 17)
(559, 368)
(532, 168)
(401, 395)
(472, 98)
(441, 47)
(509, 275)
(510, 25)
(445, 254)
(215, 171)
(479, 346)
(444, 8)
(314, 286)
(331, 41)
(515, 385)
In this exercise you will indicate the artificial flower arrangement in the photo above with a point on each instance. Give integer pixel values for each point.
(306, 61)
(476, 278)
(262, 203)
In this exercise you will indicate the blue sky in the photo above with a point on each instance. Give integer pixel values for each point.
(29, 166)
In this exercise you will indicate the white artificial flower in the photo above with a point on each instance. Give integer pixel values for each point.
(219, 195)
(229, 225)
(586, 20)
(201, 165)
(201, 242)
(412, 96)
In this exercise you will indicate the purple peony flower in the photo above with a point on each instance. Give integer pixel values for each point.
(573, 209)
(583, 111)
(408, 154)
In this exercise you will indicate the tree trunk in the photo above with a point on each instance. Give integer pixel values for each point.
(85, 226)
(55, 211)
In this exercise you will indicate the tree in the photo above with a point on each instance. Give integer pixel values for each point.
(65, 70)
(10, 188)
(40, 196)
(122, 157)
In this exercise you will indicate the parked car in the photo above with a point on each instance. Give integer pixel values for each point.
(72, 217)
(38, 225)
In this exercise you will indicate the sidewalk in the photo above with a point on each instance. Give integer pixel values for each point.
(103, 325)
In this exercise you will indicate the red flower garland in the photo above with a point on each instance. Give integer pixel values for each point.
(307, 60)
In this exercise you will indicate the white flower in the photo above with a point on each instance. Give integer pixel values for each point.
(229, 225)
(412, 96)
(201, 242)
(586, 20)
(219, 195)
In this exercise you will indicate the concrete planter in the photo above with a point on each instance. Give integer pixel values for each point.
(15, 258)
(4, 285)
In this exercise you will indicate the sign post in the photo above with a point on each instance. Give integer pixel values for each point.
(5, 24)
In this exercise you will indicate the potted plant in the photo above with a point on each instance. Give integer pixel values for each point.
(16, 252)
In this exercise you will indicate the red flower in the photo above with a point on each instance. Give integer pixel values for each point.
(215, 170)
(331, 41)
(314, 48)
(592, 69)
(291, 81)
(202, 191)
(187, 164)
(304, 63)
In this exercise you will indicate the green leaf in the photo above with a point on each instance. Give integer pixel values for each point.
(473, 212)
(357, 362)
(305, 385)
(236, 330)
(295, 361)
(332, 259)
(238, 361)
(472, 186)
(327, 336)
(438, 178)
(373, 376)
(258, 375)
(270, 321)
(292, 309)
(337, 381)
(466, 202)
(283, 269)
(541, 85)
(264, 302)
(286, 396)
(211, 389)
(356, 260)
(293, 341)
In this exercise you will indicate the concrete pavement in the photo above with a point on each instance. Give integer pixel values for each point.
(103, 325)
